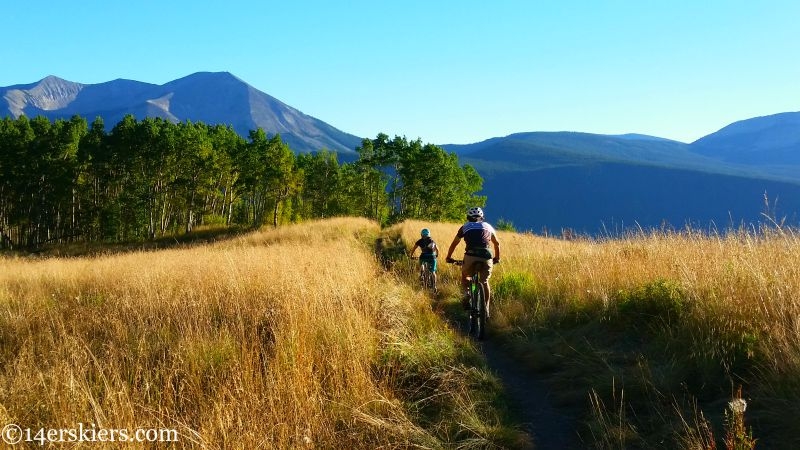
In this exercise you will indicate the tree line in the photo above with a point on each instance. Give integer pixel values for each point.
(68, 181)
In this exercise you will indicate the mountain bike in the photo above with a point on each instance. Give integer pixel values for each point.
(426, 275)
(477, 301)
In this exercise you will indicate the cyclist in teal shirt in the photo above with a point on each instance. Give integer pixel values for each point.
(429, 252)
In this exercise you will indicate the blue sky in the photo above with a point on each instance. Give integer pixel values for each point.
(443, 71)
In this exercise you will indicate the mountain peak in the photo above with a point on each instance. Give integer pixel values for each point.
(209, 97)
(52, 79)
(52, 93)
(214, 77)
(761, 123)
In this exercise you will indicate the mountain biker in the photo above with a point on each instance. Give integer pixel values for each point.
(477, 235)
(429, 251)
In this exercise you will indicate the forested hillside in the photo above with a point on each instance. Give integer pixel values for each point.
(597, 184)
(68, 181)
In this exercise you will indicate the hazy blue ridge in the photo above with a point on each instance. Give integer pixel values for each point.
(761, 141)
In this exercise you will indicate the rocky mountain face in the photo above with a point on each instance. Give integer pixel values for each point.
(212, 98)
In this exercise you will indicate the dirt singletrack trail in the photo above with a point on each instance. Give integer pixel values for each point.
(530, 398)
(531, 401)
(528, 394)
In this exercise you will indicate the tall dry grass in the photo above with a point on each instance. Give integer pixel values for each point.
(741, 284)
(270, 340)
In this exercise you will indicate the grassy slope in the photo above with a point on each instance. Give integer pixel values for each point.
(651, 335)
(283, 338)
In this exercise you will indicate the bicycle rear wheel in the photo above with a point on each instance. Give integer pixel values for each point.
(477, 310)
(480, 312)
(473, 313)
(425, 278)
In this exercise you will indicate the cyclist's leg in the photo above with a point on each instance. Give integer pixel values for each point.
(471, 265)
(465, 273)
(487, 295)
(486, 273)
(467, 269)
(433, 273)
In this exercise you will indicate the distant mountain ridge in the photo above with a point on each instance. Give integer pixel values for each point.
(594, 183)
(538, 180)
(536, 150)
(767, 140)
(209, 97)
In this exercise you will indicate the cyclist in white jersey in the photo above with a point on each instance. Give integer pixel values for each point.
(477, 235)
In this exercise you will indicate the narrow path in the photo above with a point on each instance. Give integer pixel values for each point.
(530, 397)
(528, 394)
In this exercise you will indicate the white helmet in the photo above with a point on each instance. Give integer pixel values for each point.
(475, 212)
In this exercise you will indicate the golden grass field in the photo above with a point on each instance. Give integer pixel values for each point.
(286, 338)
(297, 338)
(258, 341)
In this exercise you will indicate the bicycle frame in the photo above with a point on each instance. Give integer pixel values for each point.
(477, 310)
(425, 275)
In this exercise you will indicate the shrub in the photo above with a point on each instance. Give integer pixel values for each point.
(214, 219)
(659, 300)
(505, 225)
(514, 285)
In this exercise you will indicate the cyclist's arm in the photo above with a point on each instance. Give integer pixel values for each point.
(496, 245)
(453, 246)
(411, 253)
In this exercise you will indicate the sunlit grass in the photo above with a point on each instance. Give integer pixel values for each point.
(285, 338)
(268, 339)
(297, 336)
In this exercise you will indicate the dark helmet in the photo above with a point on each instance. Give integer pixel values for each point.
(425, 232)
